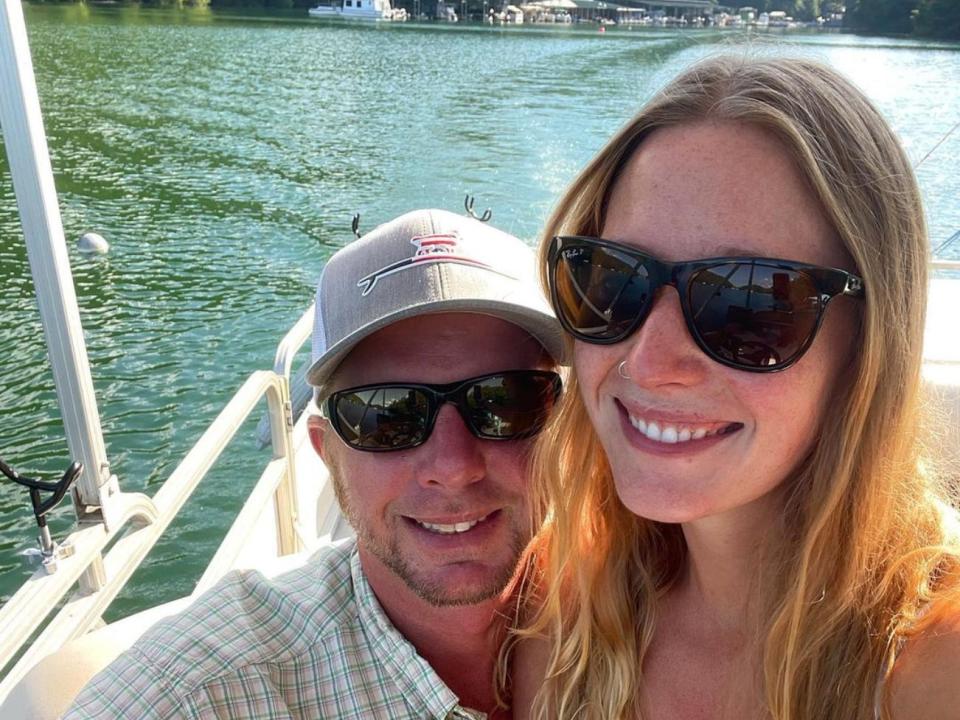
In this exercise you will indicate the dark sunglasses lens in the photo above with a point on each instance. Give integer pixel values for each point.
(382, 418)
(752, 315)
(510, 405)
(600, 292)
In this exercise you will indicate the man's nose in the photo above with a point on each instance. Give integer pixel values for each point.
(662, 352)
(453, 457)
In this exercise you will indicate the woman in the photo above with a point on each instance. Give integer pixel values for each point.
(739, 524)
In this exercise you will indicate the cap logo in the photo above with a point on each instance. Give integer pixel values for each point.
(430, 249)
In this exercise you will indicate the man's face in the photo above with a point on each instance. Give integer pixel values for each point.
(395, 500)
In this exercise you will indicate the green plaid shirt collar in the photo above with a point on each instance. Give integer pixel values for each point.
(311, 643)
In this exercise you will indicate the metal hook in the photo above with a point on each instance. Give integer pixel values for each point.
(468, 206)
(355, 225)
(48, 548)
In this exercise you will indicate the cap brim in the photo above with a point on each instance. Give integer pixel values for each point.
(541, 326)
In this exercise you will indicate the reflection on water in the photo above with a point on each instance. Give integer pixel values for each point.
(222, 156)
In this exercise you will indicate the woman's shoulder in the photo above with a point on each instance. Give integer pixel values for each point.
(925, 682)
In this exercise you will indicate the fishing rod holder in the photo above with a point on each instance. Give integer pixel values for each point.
(50, 551)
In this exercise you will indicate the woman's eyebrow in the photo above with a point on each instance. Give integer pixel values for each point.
(725, 250)
(736, 251)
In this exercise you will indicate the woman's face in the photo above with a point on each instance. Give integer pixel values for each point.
(697, 191)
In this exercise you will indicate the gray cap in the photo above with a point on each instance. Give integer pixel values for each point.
(427, 261)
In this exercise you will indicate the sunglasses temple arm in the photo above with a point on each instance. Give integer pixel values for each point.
(853, 286)
(838, 282)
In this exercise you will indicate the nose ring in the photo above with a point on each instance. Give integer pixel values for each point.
(621, 371)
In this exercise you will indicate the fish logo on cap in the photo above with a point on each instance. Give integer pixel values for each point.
(430, 249)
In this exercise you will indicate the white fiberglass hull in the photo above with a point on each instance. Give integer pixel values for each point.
(325, 11)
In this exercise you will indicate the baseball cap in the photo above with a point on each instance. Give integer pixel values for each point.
(427, 261)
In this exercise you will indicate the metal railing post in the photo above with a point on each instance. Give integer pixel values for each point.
(285, 498)
(26, 146)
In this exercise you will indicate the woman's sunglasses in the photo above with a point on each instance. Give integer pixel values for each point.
(397, 416)
(750, 313)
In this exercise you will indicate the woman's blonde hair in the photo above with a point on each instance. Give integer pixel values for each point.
(864, 540)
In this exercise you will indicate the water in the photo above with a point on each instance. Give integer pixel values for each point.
(223, 157)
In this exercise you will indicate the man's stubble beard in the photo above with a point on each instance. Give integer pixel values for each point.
(431, 592)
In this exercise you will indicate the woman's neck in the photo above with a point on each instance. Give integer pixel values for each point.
(725, 555)
(704, 658)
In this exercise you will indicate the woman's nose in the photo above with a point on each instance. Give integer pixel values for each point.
(662, 352)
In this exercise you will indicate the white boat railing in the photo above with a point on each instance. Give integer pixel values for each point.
(273, 476)
(128, 523)
(292, 342)
(27, 610)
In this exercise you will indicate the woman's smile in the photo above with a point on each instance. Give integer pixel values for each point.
(672, 433)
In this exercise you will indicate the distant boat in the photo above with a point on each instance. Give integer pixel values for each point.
(511, 14)
(358, 10)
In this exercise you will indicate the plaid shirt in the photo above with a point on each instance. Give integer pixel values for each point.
(313, 643)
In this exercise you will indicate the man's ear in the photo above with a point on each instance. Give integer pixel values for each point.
(318, 429)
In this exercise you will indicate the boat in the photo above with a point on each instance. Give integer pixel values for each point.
(512, 15)
(358, 10)
(49, 627)
(779, 19)
(52, 638)
(446, 12)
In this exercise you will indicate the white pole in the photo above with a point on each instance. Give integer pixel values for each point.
(26, 146)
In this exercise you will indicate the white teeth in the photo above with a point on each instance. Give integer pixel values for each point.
(450, 529)
(653, 431)
(670, 434)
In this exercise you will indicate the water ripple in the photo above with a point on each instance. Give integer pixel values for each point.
(223, 157)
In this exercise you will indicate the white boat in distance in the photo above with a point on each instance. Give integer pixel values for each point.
(359, 10)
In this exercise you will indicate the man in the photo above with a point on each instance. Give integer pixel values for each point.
(433, 353)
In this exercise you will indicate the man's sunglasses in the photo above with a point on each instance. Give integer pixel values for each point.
(750, 313)
(397, 416)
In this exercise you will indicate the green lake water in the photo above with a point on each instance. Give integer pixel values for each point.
(223, 157)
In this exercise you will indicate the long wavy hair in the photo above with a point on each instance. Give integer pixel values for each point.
(868, 548)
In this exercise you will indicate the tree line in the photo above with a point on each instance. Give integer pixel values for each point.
(924, 18)
(921, 18)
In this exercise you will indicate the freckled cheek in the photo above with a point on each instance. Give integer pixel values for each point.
(821, 371)
(593, 364)
(785, 410)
